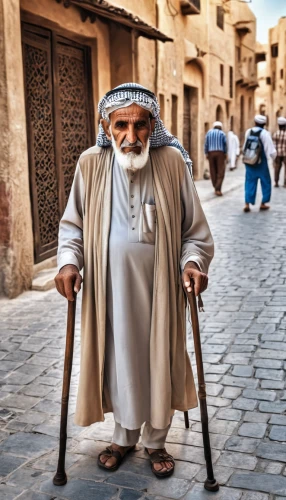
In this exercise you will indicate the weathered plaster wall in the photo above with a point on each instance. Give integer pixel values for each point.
(96, 35)
(145, 9)
(16, 243)
(261, 93)
(277, 94)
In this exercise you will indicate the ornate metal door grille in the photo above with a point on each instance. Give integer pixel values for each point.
(59, 125)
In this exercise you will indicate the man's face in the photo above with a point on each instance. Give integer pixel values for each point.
(129, 125)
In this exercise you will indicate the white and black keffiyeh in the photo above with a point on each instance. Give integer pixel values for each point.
(146, 99)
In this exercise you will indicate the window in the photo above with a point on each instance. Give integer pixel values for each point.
(221, 74)
(162, 106)
(274, 80)
(250, 66)
(174, 113)
(231, 122)
(281, 74)
(274, 50)
(249, 107)
(230, 81)
(238, 54)
(268, 80)
(220, 16)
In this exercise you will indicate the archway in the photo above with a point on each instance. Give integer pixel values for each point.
(219, 114)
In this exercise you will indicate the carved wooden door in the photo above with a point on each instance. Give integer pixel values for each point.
(59, 125)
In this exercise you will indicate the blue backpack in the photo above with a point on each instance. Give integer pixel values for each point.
(252, 149)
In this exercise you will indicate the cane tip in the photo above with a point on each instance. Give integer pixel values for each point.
(211, 485)
(60, 479)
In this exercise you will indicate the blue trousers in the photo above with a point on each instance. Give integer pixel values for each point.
(253, 174)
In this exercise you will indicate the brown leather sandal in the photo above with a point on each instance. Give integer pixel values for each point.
(109, 452)
(157, 457)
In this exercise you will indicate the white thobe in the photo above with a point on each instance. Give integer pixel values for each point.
(232, 148)
(130, 278)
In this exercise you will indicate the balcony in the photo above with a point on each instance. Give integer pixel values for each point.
(190, 7)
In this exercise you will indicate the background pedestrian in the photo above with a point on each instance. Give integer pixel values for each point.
(258, 146)
(279, 141)
(215, 150)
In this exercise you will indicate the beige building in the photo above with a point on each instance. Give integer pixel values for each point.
(270, 97)
(262, 91)
(276, 69)
(57, 57)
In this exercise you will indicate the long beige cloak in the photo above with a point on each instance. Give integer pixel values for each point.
(171, 378)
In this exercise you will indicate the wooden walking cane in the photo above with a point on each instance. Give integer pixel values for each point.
(210, 483)
(60, 477)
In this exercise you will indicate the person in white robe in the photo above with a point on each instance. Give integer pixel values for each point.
(232, 149)
(131, 145)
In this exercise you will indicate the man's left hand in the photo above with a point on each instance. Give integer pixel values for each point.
(200, 279)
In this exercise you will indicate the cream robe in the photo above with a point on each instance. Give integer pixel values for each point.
(167, 187)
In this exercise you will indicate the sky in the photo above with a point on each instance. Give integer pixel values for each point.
(267, 13)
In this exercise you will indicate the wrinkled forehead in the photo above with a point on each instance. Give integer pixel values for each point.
(134, 112)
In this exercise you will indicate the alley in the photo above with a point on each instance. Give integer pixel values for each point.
(244, 347)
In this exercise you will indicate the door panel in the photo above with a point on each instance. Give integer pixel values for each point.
(59, 125)
(40, 128)
(73, 109)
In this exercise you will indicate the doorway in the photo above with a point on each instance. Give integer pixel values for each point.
(190, 125)
(241, 125)
(60, 126)
(219, 114)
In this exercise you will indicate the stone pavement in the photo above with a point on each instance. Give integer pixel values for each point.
(232, 181)
(244, 349)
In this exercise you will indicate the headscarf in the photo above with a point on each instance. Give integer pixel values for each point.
(217, 124)
(126, 94)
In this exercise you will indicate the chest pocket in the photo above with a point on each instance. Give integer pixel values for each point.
(147, 232)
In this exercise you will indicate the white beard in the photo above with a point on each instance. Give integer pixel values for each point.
(131, 161)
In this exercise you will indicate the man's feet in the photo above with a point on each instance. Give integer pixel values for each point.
(264, 207)
(218, 193)
(246, 208)
(112, 457)
(162, 464)
(276, 185)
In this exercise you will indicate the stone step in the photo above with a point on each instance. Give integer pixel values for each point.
(44, 279)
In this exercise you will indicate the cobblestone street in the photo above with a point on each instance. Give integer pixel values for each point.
(244, 348)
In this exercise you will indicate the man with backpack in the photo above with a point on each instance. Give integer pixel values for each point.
(258, 147)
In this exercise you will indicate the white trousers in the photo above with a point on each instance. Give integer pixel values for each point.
(151, 438)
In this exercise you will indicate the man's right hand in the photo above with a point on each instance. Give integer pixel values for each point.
(68, 281)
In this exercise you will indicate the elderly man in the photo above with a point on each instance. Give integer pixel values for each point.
(215, 150)
(133, 220)
(279, 140)
(258, 142)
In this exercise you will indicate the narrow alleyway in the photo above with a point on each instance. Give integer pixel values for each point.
(244, 346)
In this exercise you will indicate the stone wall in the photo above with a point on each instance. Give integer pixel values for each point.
(16, 242)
